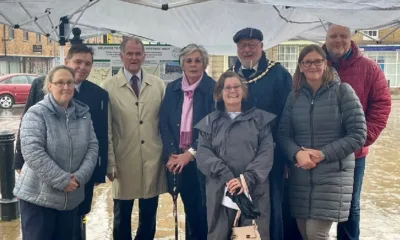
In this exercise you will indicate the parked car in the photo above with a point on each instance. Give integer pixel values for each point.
(14, 88)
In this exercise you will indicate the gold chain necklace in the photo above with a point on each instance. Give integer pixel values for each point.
(270, 65)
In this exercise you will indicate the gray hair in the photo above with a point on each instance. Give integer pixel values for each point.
(128, 39)
(191, 48)
(50, 75)
(333, 24)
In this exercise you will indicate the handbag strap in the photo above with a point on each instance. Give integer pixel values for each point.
(245, 189)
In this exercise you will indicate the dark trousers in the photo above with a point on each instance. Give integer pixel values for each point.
(196, 216)
(147, 219)
(41, 223)
(276, 180)
(350, 230)
(83, 209)
(290, 229)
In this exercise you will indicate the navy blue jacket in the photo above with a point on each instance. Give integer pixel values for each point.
(270, 92)
(171, 111)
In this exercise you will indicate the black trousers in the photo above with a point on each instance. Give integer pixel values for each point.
(196, 215)
(147, 219)
(41, 223)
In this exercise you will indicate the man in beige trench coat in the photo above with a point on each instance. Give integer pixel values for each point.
(134, 155)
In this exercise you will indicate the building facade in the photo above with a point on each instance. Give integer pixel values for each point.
(385, 53)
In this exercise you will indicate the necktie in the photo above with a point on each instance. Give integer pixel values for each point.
(135, 85)
(247, 73)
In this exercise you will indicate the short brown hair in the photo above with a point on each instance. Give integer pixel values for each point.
(50, 75)
(219, 86)
(299, 78)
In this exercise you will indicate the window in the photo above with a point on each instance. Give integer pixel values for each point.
(387, 61)
(38, 38)
(26, 35)
(372, 33)
(19, 80)
(287, 56)
(31, 78)
(232, 61)
(10, 32)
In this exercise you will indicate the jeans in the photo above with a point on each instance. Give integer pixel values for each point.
(350, 230)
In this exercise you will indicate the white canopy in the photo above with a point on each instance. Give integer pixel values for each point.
(211, 23)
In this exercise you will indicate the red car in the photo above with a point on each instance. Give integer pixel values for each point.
(14, 88)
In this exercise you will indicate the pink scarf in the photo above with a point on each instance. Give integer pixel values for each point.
(187, 112)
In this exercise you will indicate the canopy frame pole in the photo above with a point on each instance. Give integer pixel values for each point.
(89, 3)
(52, 27)
(8, 20)
(388, 34)
(84, 7)
(165, 6)
(29, 15)
(367, 36)
(33, 19)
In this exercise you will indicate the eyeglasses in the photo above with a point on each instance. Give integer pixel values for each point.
(190, 60)
(244, 45)
(316, 63)
(61, 84)
(229, 88)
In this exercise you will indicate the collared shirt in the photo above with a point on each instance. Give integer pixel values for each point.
(78, 86)
(255, 67)
(129, 75)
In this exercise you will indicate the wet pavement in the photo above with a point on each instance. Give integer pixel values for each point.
(380, 204)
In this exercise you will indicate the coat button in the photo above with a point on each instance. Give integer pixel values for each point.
(141, 122)
(177, 124)
(136, 103)
(142, 141)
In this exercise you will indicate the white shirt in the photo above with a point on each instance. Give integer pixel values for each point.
(78, 86)
(255, 67)
(129, 75)
(233, 115)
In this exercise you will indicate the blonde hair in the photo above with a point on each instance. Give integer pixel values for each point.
(50, 75)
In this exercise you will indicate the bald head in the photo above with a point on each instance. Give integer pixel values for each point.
(338, 41)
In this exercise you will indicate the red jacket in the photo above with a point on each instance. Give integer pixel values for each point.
(369, 82)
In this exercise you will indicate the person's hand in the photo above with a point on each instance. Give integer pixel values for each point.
(18, 171)
(72, 185)
(233, 185)
(171, 162)
(304, 160)
(181, 161)
(111, 176)
(316, 155)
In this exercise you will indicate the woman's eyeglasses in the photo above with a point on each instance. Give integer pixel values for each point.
(316, 63)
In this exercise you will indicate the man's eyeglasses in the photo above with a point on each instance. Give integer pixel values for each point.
(229, 88)
(244, 45)
(316, 63)
(61, 84)
(190, 60)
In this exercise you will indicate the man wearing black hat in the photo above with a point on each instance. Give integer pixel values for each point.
(269, 84)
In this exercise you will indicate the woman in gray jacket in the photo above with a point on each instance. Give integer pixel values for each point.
(235, 139)
(321, 126)
(60, 150)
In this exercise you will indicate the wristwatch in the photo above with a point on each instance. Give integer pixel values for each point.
(322, 154)
(193, 152)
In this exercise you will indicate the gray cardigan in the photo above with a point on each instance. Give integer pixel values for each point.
(56, 143)
(334, 124)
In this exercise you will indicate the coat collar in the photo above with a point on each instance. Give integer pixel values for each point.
(247, 107)
(204, 84)
(121, 79)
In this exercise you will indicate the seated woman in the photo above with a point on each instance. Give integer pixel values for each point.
(235, 139)
(321, 126)
(60, 151)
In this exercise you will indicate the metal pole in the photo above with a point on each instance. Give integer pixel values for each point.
(8, 203)
(61, 55)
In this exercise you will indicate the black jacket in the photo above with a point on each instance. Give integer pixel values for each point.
(97, 100)
(170, 119)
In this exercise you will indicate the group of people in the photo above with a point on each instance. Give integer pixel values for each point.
(300, 143)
